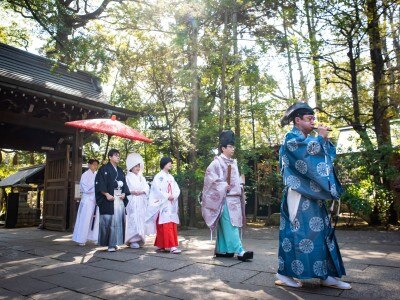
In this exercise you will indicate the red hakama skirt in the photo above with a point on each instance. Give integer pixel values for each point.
(167, 235)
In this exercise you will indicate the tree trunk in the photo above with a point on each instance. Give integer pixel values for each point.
(302, 81)
(395, 92)
(289, 57)
(236, 80)
(394, 34)
(378, 69)
(194, 120)
(356, 124)
(309, 9)
(255, 211)
(223, 74)
(380, 99)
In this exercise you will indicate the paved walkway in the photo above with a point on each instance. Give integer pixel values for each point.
(40, 264)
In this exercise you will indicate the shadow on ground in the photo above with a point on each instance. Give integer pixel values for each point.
(40, 264)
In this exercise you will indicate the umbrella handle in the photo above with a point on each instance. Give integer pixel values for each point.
(105, 153)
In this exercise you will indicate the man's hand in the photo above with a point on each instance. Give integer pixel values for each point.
(228, 187)
(122, 196)
(109, 197)
(323, 131)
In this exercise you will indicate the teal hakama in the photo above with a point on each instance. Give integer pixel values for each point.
(228, 237)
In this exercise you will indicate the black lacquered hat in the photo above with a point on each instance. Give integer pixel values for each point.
(296, 110)
(227, 137)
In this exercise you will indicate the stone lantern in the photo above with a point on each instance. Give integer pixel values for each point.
(26, 214)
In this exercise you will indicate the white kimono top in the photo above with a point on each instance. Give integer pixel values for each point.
(162, 187)
(136, 208)
(136, 182)
(87, 184)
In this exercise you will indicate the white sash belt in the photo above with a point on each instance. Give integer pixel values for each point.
(293, 201)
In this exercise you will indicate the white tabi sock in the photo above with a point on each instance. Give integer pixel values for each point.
(289, 281)
(335, 283)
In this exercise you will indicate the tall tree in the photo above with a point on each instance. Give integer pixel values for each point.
(381, 103)
(194, 115)
(224, 54)
(61, 19)
(285, 13)
(302, 77)
(236, 56)
(310, 9)
(380, 100)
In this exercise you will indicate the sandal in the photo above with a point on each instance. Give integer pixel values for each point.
(160, 250)
(175, 251)
(246, 256)
(282, 283)
(287, 281)
(334, 283)
(224, 254)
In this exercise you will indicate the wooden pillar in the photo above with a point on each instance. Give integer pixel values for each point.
(76, 172)
(38, 206)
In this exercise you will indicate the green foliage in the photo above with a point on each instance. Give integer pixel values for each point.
(11, 159)
(6, 170)
(357, 201)
(12, 36)
(361, 200)
(365, 196)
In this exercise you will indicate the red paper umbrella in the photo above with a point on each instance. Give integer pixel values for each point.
(110, 127)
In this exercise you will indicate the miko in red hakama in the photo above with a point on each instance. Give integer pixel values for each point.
(163, 209)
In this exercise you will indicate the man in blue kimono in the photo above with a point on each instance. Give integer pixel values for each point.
(307, 243)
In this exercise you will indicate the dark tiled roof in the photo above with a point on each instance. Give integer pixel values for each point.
(22, 176)
(45, 75)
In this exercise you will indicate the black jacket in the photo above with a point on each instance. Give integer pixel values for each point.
(106, 181)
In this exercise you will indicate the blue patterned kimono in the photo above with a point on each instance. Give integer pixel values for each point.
(307, 245)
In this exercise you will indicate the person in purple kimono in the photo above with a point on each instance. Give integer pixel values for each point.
(307, 244)
(223, 200)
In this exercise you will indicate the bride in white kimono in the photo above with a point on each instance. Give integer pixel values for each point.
(136, 208)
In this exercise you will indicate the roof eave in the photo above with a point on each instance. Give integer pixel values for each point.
(68, 99)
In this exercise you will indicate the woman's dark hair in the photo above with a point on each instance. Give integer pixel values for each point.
(164, 161)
